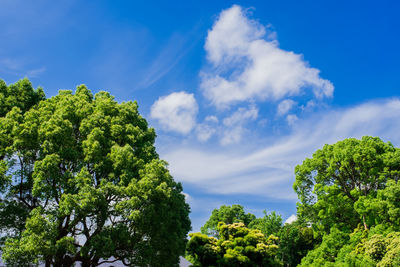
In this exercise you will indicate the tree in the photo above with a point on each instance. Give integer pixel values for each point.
(326, 253)
(237, 246)
(384, 209)
(295, 240)
(82, 181)
(372, 249)
(269, 224)
(228, 215)
(333, 180)
(21, 94)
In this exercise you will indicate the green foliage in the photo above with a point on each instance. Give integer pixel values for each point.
(21, 95)
(372, 250)
(392, 256)
(228, 215)
(326, 252)
(352, 186)
(268, 225)
(339, 175)
(384, 209)
(295, 240)
(348, 214)
(82, 181)
(237, 246)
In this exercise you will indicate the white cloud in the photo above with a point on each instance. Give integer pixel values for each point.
(291, 119)
(268, 170)
(168, 57)
(211, 119)
(291, 219)
(188, 198)
(234, 124)
(241, 116)
(35, 72)
(204, 132)
(232, 135)
(247, 65)
(231, 130)
(285, 106)
(176, 112)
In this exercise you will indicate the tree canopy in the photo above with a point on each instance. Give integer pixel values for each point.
(227, 215)
(237, 245)
(80, 181)
(295, 240)
(269, 224)
(337, 176)
(20, 94)
(348, 214)
(349, 192)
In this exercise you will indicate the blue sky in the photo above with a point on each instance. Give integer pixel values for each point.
(239, 92)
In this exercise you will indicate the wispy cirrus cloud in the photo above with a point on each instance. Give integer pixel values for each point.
(35, 72)
(268, 170)
(168, 57)
(19, 68)
(247, 63)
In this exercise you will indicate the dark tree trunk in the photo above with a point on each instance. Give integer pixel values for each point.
(64, 261)
(86, 263)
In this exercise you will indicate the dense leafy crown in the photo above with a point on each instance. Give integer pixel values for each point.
(350, 194)
(237, 245)
(21, 94)
(339, 175)
(228, 215)
(80, 180)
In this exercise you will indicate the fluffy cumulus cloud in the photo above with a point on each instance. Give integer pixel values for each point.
(268, 170)
(247, 63)
(176, 112)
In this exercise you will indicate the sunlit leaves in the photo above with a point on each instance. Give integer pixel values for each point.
(332, 181)
(85, 168)
(237, 245)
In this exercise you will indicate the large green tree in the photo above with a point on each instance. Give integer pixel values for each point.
(81, 181)
(227, 215)
(337, 176)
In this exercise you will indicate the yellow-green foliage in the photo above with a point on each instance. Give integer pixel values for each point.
(237, 246)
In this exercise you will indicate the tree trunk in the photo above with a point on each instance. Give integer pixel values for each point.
(365, 224)
(64, 261)
(86, 263)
